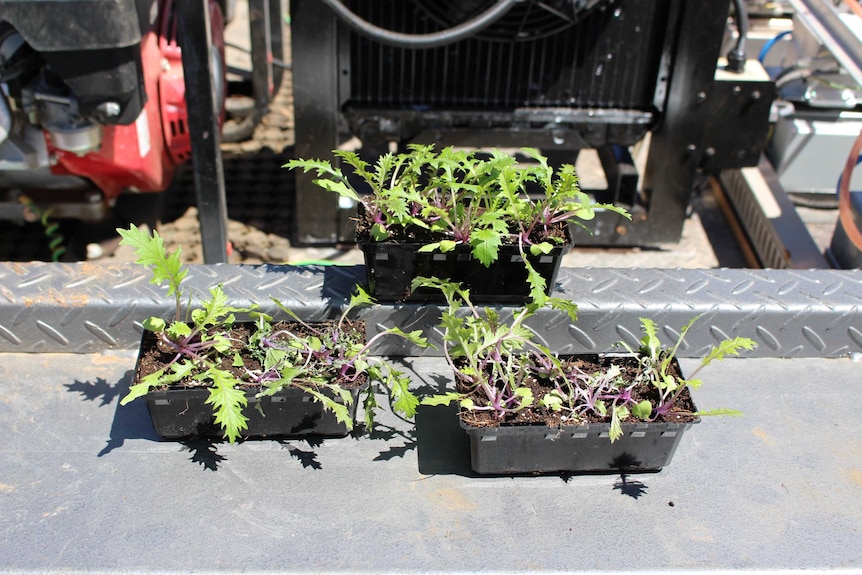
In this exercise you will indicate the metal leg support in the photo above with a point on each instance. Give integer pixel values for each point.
(261, 56)
(676, 145)
(195, 33)
(315, 93)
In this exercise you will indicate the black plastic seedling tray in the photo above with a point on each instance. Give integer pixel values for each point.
(576, 448)
(391, 268)
(179, 413)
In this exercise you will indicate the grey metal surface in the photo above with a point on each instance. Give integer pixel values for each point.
(85, 486)
(790, 313)
(800, 143)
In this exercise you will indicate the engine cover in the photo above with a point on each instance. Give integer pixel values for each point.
(142, 155)
(133, 156)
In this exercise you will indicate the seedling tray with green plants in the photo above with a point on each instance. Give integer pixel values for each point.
(186, 410)
(494, 223)
(239, 365)
(527, 410)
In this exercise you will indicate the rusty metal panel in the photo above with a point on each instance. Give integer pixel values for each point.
(82, 308)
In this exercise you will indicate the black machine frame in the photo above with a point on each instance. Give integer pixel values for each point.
(676, 119)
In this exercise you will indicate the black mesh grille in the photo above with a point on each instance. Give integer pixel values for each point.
(607, 59)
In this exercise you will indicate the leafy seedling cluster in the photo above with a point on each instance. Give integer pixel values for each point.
(457, 197)
(323, 361)
(500, 369)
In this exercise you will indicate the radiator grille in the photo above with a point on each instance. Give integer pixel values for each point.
(607, 59)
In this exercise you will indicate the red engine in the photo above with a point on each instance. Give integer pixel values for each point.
(142, 156)
(52, 143)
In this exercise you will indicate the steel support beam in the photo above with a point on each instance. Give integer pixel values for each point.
(261, 55)
(314, 33)
(84, 308)
(676, 145)
(195, 31)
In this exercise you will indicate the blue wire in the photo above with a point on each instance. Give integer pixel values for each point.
(769, 44)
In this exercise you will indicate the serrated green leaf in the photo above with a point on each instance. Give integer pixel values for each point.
(151, 252)
(403, 400)
(340, 410)
(441, 399)
(693, 383)
(178, 372)
(220, 343)
(538, 285)
(616, 429)
(228, 403)
(178, 329)
(329, 178)
(215, 309)
(650, 342)
(143, 388)
(414, 336)
(486, 246)
(728, 347)
(165, 376)
(339, 188)
(358, 298)
(369, 405)
(569, 307)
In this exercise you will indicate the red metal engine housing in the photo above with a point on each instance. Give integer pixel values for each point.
(143, 155)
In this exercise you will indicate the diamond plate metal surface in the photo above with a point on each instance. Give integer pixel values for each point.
(789, 313)
(83, 308)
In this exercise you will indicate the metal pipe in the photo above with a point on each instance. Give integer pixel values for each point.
(825, 23)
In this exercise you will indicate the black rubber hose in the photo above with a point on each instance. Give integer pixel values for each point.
(421, 41)
(736, 57)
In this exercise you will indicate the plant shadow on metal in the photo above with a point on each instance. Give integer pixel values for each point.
(91, 391)
(204, 452)
(631, 488)
(388, 433)
(130, 422)
(308, 459)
